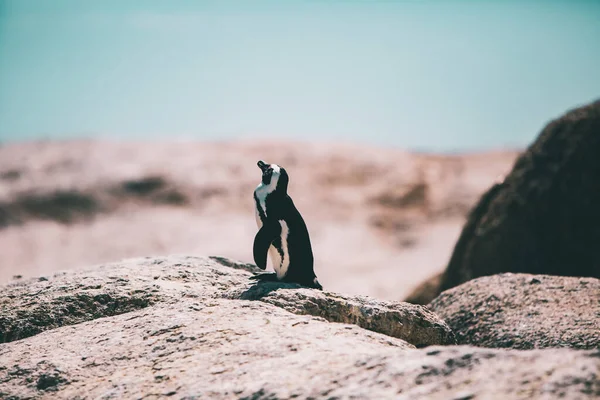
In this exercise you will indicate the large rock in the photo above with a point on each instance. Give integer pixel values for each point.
(543, 218)
(69, 298)
(523, 311)
(189, 334)
(250, 350)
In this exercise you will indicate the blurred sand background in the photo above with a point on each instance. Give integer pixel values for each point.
(381, 220)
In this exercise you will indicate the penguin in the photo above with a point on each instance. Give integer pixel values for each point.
(282, 232)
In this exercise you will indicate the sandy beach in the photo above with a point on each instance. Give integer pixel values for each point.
(381, 220)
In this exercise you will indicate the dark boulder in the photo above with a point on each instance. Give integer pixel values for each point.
(544, 217)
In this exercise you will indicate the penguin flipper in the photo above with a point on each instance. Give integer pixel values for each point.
(262, 241)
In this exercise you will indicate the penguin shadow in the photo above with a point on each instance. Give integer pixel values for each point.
(260, 289)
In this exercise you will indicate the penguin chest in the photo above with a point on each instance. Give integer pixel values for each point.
(279, 252)
(259, 222)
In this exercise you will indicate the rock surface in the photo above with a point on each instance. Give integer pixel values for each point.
(30, 307)
(543, 218)
(193, 336)
(248, 350)
(523, 311)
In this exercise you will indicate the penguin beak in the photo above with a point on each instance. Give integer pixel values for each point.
(262, 165)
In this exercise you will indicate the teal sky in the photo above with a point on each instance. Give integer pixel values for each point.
(435, 75)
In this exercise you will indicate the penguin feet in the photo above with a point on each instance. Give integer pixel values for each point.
(265, 277)
(316, 285)
(272, 277)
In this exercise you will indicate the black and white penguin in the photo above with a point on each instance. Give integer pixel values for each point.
(282, 231)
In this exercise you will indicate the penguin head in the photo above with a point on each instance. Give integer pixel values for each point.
(274, 176)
